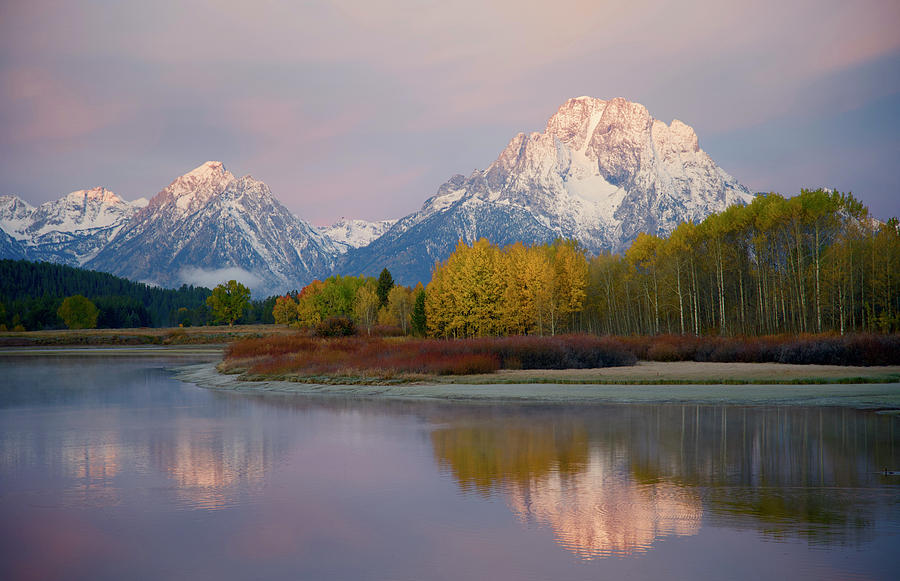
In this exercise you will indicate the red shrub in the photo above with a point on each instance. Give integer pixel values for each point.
(380, 356)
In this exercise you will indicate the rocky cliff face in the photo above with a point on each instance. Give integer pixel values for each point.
(601, 172)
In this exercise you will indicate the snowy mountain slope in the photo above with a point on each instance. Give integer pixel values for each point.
(208, 226)
(10, 247)
(347, 233)
(601, 172)
(411, 250)
(70, 230)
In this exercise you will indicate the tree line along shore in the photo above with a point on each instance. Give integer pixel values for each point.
(813, 263)
(814, 271)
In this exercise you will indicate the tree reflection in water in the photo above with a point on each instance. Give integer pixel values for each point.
(611, 480)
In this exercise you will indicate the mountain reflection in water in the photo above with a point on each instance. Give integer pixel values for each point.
(613, 480)
(112, 469)
(603, 512)
(211, 469)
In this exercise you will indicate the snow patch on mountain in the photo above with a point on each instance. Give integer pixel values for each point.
(15, 216)
(347, 233)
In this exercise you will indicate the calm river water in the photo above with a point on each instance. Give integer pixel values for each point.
(112, 469)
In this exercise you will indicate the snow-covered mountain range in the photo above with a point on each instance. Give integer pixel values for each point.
(601, 172)
(347, 233)
(71, 230)
(208, 226)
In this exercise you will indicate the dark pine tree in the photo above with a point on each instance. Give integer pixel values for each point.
(417, 318)
(385, 284)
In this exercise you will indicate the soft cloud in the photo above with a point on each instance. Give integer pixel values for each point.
(40, 107)
(213, 277)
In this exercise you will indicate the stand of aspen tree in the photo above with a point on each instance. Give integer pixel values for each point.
(812, 263)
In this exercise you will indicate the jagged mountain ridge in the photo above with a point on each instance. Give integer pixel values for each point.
(207, 222)
(70, 230)
(348, 233)
(601, 172)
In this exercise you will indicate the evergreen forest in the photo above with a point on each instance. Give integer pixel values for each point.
(31, 294)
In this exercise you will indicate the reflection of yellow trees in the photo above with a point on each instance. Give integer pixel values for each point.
(609, 481)
(484, 458)
(552, 476)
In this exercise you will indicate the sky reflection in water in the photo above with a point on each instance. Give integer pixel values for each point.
(110, 468)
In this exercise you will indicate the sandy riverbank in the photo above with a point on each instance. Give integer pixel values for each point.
(694, 371)
(868, 395)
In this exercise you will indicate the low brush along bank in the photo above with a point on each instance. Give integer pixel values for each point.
(298, 357)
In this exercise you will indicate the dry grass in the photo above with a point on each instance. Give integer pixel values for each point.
(140, 336)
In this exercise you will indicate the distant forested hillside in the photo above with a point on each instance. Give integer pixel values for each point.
(31, 293)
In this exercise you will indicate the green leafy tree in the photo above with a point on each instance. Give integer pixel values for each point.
(385, 284)
(337, 296)
(228, 300)
(78, 312)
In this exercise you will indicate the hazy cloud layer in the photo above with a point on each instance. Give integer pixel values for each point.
(211, 278)
(363, 109)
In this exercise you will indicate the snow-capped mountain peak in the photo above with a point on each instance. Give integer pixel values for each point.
(15, 215)
(206, 170)
(601, 172)
(191, 191)
(575, 121)
(71, 229)
(208, 226)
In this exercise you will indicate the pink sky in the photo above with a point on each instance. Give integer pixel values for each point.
(362, 109)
